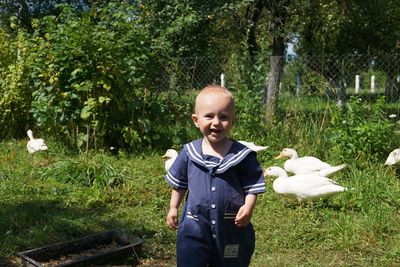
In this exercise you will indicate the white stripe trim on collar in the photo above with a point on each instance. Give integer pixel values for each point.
(194, 154)
(232, 161)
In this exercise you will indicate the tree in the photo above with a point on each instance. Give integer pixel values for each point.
(353, 28)
(346, 27)
(25, 11)
(278, 14)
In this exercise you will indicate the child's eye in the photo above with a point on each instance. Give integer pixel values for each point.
(224, 117)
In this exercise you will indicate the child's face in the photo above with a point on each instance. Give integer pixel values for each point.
(214, 114)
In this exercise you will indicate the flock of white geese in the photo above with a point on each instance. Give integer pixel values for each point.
(310, 178)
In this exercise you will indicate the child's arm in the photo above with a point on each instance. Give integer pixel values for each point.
(245, 212)
(176, 199)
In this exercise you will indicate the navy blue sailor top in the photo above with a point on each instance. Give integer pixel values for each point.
(217, 187)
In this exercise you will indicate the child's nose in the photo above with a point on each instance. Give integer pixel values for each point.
(216, 121)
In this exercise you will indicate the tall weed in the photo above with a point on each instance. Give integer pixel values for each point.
(97, 170)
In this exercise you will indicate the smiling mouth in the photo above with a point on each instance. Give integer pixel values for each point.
(215, 131)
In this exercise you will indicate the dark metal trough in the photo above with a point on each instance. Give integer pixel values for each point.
(90, 250)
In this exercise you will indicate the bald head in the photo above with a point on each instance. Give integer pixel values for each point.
(214, 93)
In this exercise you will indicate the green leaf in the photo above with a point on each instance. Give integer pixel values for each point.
(103, 99)
(86, 112)
(73, 73)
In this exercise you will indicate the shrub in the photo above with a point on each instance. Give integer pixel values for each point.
(362, 130)
(92, 74)
(14, 88)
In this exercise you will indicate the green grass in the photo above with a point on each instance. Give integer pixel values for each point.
(357, 228)
(36, 211)
(41, 204)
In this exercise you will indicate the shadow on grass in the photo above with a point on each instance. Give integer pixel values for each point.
(36, 223)
(320, 205)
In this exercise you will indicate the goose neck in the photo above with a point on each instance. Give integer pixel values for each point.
(30, 135)
(294, 155)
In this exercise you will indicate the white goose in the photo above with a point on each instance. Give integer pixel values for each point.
(35, 145)
(303, 187)
(253, 146)
(393, 158)
(170, 155)
(307, 164)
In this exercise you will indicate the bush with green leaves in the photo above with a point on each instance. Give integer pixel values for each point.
(160, 120)
(362, 130)
(250, 114)
(14, 85)
(92, 75)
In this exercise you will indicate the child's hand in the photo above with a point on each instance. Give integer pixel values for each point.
(243, 216)
(172, 218)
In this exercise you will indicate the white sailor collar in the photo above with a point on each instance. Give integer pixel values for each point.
(235, 155)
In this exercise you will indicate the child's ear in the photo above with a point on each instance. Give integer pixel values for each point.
(195, 120)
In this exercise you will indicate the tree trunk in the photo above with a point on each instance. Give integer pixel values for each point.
(253, 14)
(392, 88)
(25, 16)
(274, 76)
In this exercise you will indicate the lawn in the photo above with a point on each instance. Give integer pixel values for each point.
(41, 204)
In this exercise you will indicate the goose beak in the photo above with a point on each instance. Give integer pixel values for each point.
(279, 156)
(390, 161)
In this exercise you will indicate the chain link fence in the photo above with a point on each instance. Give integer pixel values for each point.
(190, 73)
(344, 75)
(331, 76)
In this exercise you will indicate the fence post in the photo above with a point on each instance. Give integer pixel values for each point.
(373, 84)
(222, 80)
(298, 84)
(357, 88)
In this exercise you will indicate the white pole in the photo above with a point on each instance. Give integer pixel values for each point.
(223, 80)
(373, 84)
(298, 84)
(357, 88)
